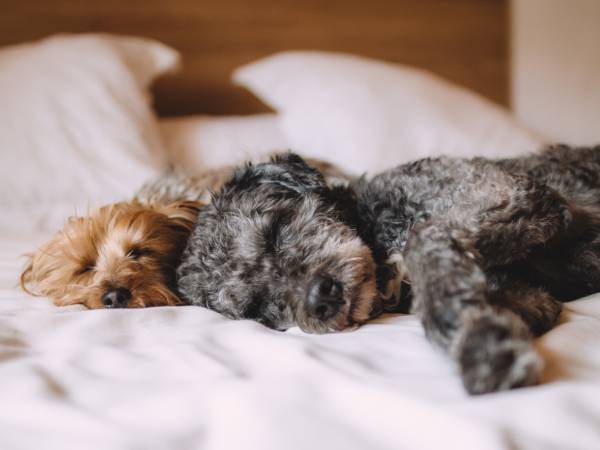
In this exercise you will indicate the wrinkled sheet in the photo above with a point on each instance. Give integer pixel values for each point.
(186, 378)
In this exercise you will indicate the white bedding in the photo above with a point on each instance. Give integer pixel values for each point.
(185, 378)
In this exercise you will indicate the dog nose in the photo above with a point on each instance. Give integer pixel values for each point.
(116, 298)
(324, 297)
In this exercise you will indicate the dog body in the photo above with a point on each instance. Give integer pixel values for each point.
(487, 250)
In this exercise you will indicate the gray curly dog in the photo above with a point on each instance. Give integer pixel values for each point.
(483, 251)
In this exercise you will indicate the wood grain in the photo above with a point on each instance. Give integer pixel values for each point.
(463, 40)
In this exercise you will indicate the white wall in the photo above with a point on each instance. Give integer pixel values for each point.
(556, 68)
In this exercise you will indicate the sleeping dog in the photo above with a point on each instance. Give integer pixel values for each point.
(123, 255)
(485, 251)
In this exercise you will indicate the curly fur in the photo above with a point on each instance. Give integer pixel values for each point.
(129, 247)
(485, 251)
(246, 260)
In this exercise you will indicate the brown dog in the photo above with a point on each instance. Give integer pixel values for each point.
(121, 255)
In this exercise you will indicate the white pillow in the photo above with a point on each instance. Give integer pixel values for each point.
(76, 126)
(197, 143)
(368, 115)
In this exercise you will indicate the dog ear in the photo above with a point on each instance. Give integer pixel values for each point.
(42, 274)
(288, 171)
(26, 277)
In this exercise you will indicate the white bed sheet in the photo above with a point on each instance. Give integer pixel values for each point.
(186, 378)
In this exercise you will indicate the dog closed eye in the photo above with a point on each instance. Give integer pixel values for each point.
(85, 269)
(136, 253)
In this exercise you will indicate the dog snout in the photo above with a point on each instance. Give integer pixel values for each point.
(116, 298)
(325, 297)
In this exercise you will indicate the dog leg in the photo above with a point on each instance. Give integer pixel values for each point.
(535, 215)
(537, 307)
(570, 270)
(491, 344)
(557, 241)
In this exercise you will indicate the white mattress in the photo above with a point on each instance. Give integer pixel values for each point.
(186, 378)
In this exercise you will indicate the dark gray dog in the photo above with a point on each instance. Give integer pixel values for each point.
(484, 249)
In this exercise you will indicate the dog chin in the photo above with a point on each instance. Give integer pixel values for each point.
(344, 321)
(354, 315)
(348, 324)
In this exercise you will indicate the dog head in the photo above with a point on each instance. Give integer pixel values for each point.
(122, 255)
(277, 245)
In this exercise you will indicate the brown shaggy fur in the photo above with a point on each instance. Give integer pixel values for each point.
(126, 245)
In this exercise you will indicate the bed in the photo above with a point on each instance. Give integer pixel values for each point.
(185, 377)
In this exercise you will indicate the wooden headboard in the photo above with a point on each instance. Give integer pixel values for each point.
(463, 40)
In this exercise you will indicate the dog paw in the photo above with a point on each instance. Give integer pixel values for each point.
(494, 358)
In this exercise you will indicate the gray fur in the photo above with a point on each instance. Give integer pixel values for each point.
(486, 250)
(246, 259)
